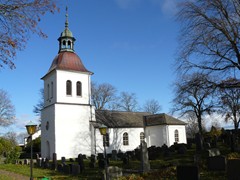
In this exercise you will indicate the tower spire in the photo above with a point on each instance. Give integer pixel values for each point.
(66, 39)
(66, 22)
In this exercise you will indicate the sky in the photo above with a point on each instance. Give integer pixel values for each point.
(130, 44)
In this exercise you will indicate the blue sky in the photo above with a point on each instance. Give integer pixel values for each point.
(130, 44)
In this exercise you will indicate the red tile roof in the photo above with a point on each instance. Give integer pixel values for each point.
(68, 61)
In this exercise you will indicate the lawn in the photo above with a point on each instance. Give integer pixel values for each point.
(162, 167)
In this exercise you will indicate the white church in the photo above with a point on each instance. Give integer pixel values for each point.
(70, 122)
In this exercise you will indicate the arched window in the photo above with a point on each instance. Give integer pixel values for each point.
(48, 92)
(176, 135)
(142, 137)
(79, 88)
(69, 44)
(69, 87)
(125, 139)
(64, 44)
(51, 89)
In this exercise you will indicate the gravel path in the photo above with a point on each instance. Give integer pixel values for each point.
(14, 176)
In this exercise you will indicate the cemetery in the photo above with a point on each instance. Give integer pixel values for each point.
(216, 158)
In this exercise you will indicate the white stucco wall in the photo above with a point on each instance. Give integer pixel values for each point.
(164, 134)
(156, 135)
(62, 77)
(68, 116)
(182, 133)
(116, 139)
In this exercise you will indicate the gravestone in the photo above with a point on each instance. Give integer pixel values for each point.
(114, 172)
(145, 165)
(101, 163)
(92, 163)
(114, 155)
(81, 162)
(63, 160)
(54, 162)
(46, 163)
(26, 162)
(233, 167)
(187, 173)
(66, 169)
(39, 161)
(125, 159)
(42, 162)
(182, 149)
(213, 152)
(76, 169)
(216, 163)
(60, 167)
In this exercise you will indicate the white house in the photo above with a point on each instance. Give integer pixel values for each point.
(69, 121)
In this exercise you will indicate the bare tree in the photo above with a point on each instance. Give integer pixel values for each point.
(128, 102)
(18, 19)
(103, 95)
(152, 106)
(210, 36)
(192, 124)
(7, 110)
(230, 103)
(193, 94)
(40, 105)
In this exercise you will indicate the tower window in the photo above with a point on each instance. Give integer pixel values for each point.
(48, 92)
(142, 137)
(125, 139)
(176, 135)
(79, 88)
(69, 87)
(51, 89)
(69, 44)
(64, 44)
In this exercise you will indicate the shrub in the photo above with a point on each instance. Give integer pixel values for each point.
(9, 150)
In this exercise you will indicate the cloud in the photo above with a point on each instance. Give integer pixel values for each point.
(168, 7)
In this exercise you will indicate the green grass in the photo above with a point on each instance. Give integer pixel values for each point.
(162, 167)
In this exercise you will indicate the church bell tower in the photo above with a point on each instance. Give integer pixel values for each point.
(67, 112)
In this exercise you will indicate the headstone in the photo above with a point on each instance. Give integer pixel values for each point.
(63, 160)
(54, 162)
(114, 172)
(75, 169)
(92, 163)
(114, 155)
(101, 163)
(60, 167)
(42, 162)
(46, 163)
(125, 159)
(26, 162)
(182, 149)
(66, 169)
(81, 162)
(39, 161)
(213, 152)
(233, 167)
(187, 173)
(217, 163)
(145, 165)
